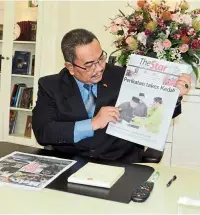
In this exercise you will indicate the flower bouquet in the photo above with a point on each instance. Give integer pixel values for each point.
(154, 29)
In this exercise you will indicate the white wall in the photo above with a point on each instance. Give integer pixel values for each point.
(92, 15)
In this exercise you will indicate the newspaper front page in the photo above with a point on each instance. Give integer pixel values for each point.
(31, 171)
(147, 100)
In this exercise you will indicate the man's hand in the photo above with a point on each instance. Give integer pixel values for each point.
(184, 84)
(104, 116)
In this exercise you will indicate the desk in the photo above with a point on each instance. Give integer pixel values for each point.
(162, 199)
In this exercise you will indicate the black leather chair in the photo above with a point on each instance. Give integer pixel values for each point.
(151, 156)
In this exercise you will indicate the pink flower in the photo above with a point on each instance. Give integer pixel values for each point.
(132, 43)
(114, 29)
(191, 31)
(158, 46)
(118, 21)
(160, 21)
(147, 32)
(195, 44)
(130, 40)
(176, 36)
(183, 48)
(166, 43)
(126, 22)
(175, 17)
(131, 29)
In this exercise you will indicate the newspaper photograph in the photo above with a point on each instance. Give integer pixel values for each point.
(147, 100)
(31, 171)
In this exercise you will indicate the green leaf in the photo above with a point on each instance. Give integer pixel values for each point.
(195, 59)
(175, 42)
(188, 60)
(122, 59)
(146, 15)
(122, 13)
(120, 32)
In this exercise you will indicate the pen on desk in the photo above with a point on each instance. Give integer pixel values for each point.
(170, 182)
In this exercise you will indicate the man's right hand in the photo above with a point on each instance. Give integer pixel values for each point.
(104, 116)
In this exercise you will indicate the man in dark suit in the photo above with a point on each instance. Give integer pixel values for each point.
(75, 106)
(130, 109)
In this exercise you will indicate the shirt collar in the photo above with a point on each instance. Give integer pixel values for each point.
(80, 84)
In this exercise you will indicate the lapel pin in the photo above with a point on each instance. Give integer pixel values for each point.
(105, 85)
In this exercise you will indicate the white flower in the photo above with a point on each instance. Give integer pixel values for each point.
(176, 55)
(161, 55)
(157, 46)
(141, 37)
(168, 31)
(186, 19)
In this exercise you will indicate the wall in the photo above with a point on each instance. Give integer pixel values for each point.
(92, 15)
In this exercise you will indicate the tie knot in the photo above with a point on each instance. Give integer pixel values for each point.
(87, 86)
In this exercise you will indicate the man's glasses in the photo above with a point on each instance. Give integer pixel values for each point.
(91, 66)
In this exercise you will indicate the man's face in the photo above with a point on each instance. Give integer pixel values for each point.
(141, 98)
(156, 104)
(91, 57)
(133, 104)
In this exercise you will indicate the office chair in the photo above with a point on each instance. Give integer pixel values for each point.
(151, 156)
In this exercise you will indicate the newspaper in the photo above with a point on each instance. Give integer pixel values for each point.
(147, 100)
(31, 171)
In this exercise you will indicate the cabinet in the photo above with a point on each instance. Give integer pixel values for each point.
(166, 158)
(186, 135)
(183, 142)
(13, 129)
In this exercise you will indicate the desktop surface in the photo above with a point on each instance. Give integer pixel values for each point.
(163, 200)
(121, 191)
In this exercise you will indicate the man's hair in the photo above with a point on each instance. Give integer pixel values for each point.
(135, 99)
(141, 94)
(72, 39)
(158, 100)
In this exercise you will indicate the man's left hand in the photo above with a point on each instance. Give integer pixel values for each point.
(184, 84)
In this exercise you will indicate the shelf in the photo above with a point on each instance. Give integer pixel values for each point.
(22, 42)
(22, 76)
(20, 109)
(19, 135)
(25, 42)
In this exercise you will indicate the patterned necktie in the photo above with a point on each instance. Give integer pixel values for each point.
(90, 102)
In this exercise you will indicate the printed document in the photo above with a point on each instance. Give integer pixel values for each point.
(147, 100)
(31, 171)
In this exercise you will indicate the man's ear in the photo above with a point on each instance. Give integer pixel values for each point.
(70, 67)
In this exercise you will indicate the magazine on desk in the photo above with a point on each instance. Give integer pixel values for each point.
(31, 171)
(147, 100)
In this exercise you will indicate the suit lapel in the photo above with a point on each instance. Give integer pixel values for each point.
(106, 93)
(72, 95)
(102, 96)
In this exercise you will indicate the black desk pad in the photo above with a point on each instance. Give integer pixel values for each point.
(121, 191)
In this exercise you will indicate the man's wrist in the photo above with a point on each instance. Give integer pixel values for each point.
(94, 124)
(179, 101)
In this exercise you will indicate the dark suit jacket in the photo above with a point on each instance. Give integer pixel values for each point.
(60, 105)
